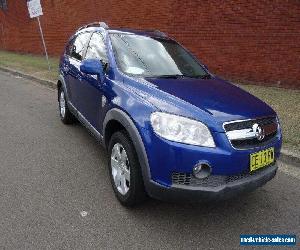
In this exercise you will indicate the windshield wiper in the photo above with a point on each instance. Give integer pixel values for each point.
(206, 76)
(169, 76)
(177, 76)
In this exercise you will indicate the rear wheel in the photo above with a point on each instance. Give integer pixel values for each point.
(65, 114)
(125, 171)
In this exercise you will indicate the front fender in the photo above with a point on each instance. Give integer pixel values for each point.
(124, 119)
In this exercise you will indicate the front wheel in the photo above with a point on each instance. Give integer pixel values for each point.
(125, 171)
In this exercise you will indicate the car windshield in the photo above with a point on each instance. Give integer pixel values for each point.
(154, 57)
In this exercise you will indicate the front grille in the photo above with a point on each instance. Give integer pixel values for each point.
(233, 178)
(249, 123)
(246, 143)
(181, 178)
(188, 179)
(211, 181)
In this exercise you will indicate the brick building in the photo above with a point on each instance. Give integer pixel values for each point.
(254, 40)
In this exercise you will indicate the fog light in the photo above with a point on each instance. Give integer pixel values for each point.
(201, 170)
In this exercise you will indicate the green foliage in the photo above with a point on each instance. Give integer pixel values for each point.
(30, 64)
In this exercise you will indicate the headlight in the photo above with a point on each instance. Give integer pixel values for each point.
(181, 129)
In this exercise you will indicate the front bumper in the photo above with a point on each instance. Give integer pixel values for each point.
(204, 193)
(166, 157)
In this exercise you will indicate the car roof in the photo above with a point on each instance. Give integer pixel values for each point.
(155, 33)
(151, 33)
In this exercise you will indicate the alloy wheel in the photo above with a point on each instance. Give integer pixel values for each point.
(120, 168)
(62, 104)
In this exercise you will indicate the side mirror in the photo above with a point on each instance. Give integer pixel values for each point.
(92, 67)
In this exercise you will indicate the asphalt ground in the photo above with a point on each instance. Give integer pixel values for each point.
(55, 191)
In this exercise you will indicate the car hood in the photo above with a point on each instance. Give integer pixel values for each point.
(215, 96)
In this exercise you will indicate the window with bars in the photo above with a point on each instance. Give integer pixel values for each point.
(3, 4)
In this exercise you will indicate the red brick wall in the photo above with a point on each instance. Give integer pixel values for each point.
(248, 40)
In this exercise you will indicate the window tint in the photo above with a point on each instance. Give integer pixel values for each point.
(96, 48)
(76, 47)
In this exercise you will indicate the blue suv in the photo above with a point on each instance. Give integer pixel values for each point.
(173, 130)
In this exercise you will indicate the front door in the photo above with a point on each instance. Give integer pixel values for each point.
(91, 90)
(72, 67)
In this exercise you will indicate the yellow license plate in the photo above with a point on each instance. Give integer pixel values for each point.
(261, 159)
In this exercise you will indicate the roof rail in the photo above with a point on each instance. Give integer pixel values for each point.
(94, 24)
(158, 32)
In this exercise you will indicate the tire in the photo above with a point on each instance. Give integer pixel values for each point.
(65, 114)
(130, 191)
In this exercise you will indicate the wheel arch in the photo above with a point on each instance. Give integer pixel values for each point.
(116, 118)
(62, 84)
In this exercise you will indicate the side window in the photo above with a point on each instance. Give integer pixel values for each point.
(69, 47)
(76, 47)
(96, 48)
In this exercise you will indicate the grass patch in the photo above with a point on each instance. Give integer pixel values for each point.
(286, 102)
(30, 64)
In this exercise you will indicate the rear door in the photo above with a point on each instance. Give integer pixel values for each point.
(91, 89)
(73, 76)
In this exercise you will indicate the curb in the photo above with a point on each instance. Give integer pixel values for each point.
(44, 82)
(286, 156)
(289, 157)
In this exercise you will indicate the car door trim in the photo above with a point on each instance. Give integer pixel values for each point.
(85, 122)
